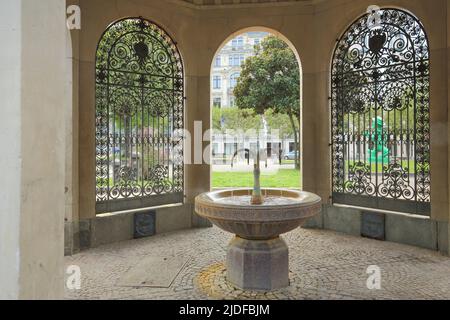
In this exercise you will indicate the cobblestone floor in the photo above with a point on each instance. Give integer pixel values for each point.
(323, 265)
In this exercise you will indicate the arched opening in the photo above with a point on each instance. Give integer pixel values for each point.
(256, 107)
(380, 114)
(139, 109)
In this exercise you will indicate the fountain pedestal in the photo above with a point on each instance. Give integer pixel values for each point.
(257, 258)
(258, 264)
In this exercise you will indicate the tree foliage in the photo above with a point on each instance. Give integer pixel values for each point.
(280, 121)
(270, 79)
(234, 118)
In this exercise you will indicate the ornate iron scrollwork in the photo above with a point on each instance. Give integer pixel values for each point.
(380, 114)
(139, 109)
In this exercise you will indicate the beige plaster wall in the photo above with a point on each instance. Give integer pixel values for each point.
(42, 141)
(311, 29)
(71, 232)
(448, 102)
(10, 23)
(179, 22)
(433, 16)
(72, 123)
(31, 263)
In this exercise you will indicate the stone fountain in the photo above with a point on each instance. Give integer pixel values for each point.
(258, 258)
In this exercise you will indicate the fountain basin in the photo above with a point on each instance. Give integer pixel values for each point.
(258, 258)
(281, 212)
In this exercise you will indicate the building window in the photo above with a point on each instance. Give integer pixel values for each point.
(215, 149)
(218, 61)
(380, 107)
(217, 102)
(230, 148)
(132, 169)
(234, 80)
(231, 60)
(236, 60)
(217, 82)
(257, 41)
(237, 43)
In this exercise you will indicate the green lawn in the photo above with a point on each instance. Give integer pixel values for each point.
(285, 178)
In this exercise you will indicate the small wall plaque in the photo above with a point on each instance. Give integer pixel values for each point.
(144, 224)
(373, 225)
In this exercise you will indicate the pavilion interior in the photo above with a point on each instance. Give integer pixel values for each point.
(48, 201)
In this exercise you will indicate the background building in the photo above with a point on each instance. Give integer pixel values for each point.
(227, 66)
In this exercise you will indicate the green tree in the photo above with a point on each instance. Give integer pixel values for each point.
(281, 122)
(271, 80)
(238, 120)
(233, 118)
(217, 120)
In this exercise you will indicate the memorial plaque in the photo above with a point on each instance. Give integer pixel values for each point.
(144, 224)
(373, 225)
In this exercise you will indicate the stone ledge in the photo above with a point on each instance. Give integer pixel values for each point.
(116, 227)
(407, 229)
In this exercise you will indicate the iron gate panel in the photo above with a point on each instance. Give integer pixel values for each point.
(139, 117)
(380, 115)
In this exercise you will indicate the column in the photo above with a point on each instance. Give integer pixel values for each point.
(32, 75)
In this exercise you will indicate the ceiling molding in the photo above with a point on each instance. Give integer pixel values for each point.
(205, 4)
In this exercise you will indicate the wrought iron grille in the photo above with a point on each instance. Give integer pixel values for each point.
(380, 115)
(139, 113)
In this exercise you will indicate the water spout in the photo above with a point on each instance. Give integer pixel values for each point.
(257, 198)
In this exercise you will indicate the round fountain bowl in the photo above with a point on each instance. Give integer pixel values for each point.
(281, 212)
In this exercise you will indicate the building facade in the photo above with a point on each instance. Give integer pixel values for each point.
(227, 66)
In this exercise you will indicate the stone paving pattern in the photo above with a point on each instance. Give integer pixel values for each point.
(323, 265)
